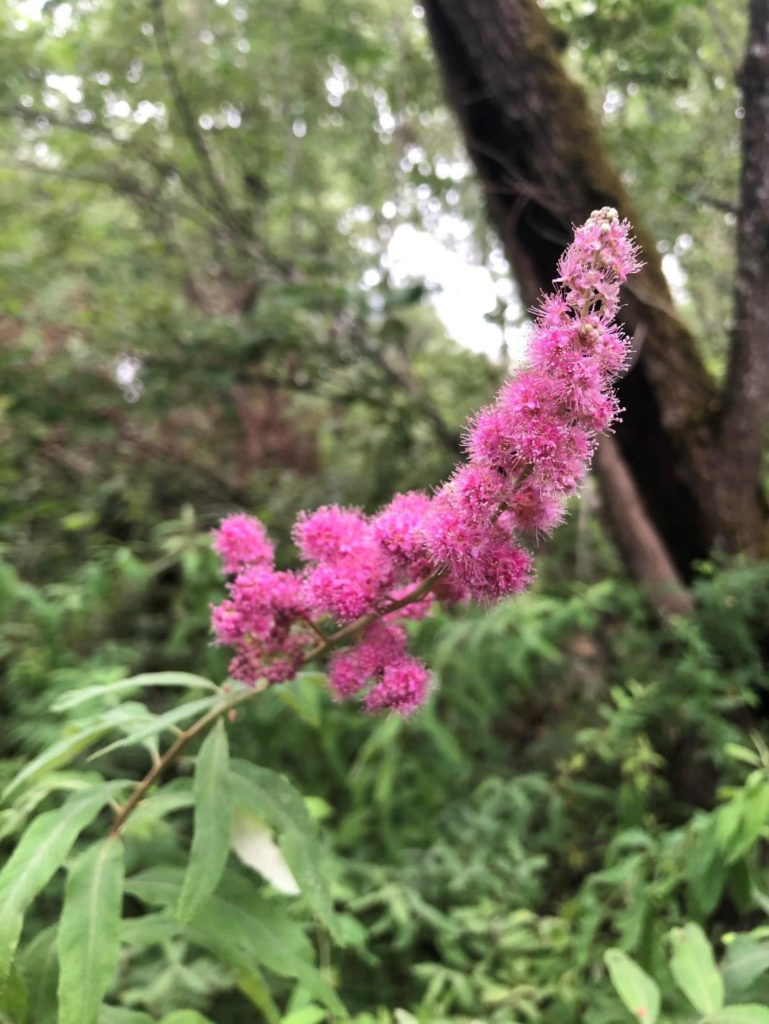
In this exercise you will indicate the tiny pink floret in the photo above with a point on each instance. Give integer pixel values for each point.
(242, 540)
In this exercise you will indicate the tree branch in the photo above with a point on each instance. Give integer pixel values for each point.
(187, 115)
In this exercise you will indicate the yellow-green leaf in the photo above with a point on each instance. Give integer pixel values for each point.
(635, 988)
(693, 967)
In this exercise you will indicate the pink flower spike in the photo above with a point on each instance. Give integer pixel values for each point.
(527, 453)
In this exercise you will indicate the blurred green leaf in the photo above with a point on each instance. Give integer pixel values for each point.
(89, 931)
(174, 680)
(636, 989)
(693, 967)
(158, 724)
(266, 794)
(212, 823)
(39, 854)
(744, 1013)
(241, 933)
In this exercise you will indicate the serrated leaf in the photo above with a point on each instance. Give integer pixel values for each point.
(89, 931)
(212, 823)
(183, 680)
(267, 795)
(39, 854)
(39, 965)
(158, 724)
(254, 986)
(740, 1013)
(636, 989)
(694, 970)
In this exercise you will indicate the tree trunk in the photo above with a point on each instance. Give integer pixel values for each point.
(745, 409)
(540, 159)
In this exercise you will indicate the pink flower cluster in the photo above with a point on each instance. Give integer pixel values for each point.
(527, 453)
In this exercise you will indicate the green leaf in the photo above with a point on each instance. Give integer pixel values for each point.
(185, 1017)
(706, 872)
(242, 931)
(636, 989)
(694, 970)
(307, 1015)
(39, 966)
(89, 931)
(266, 794)
(14, 999)
(158, 724)
(253, 984)
(58, 754)
(745, 960)
(213, 823)
(38, 856)
(175, 796)
(183, 680)
(149, 929)
(121, 1015)
(755, 810)
(742, 753)
(740, 1013)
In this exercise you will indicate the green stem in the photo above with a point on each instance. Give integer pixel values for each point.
(174, 750)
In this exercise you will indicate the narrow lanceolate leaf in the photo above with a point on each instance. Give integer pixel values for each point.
(179, 680)
(89, 931)
(635, 988)
(267, 795)
(213, 824)
(39, 854)
(158, 724)
(58, 754)
(694, 970)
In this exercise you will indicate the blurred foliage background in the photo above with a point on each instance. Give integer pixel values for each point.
(201, 313)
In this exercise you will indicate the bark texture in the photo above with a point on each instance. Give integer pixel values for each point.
(745, 408)
(540, 159)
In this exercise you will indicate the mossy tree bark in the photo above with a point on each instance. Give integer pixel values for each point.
(539, 155)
